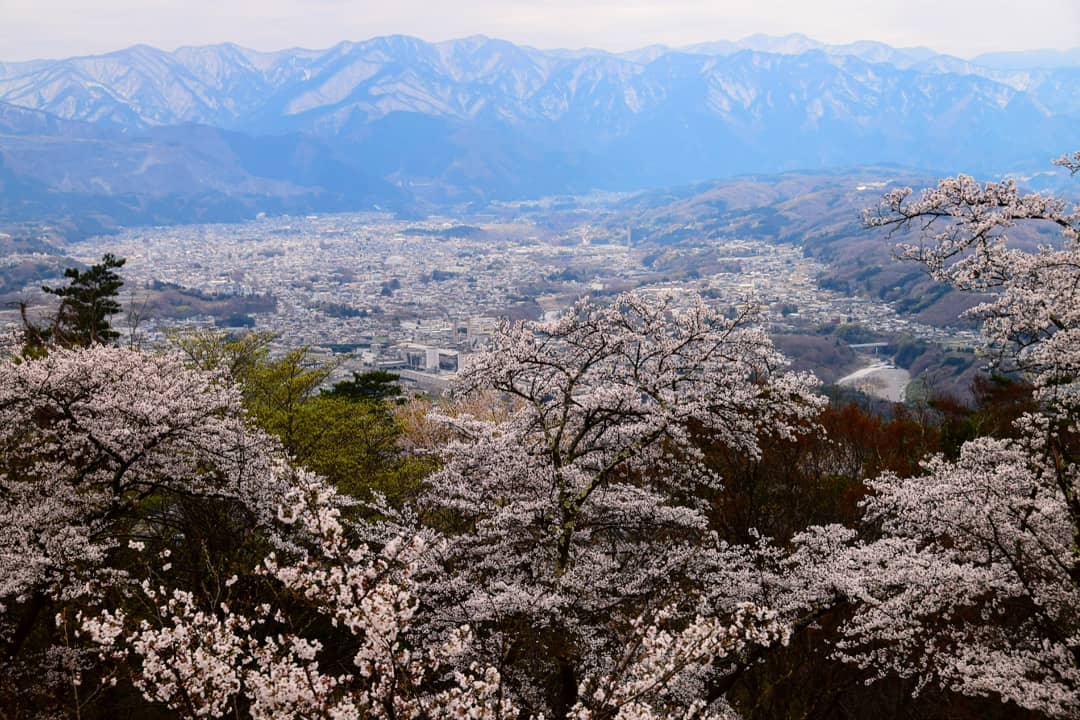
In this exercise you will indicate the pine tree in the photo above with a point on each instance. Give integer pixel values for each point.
(86, 305)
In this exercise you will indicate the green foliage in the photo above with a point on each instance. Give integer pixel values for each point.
(347, 434)
(908, 350)
(87, 303)
(853, 334)
(276, 389)
(354, 445)
(209, 350)
(374, 385)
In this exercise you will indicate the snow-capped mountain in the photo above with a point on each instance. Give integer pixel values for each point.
(480, 117)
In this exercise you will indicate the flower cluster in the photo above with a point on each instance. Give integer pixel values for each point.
(975, 583)
(202, 662)
(579, 505)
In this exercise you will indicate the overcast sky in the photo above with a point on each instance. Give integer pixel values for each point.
(61, 28)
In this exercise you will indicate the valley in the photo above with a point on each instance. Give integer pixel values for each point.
(379, 292)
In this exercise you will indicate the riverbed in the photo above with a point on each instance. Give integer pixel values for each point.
(880, 379)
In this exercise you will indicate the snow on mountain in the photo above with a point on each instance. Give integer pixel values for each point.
(482, 118)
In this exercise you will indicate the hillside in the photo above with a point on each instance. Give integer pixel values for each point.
(823, 213)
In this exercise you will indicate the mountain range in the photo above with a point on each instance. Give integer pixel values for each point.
(220, 131)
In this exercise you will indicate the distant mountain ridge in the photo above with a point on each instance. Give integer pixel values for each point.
(229, 86)
(102, 177)
(1029, 59)
(481, 118)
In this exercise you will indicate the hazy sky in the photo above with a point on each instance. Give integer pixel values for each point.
(59, 28)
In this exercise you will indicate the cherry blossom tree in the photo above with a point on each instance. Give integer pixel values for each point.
(576, 515)
(664, 675)
(113, 457)
(103, 447)
(975, 584)
(254, 657)
(89, 434)
(1032, 319)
